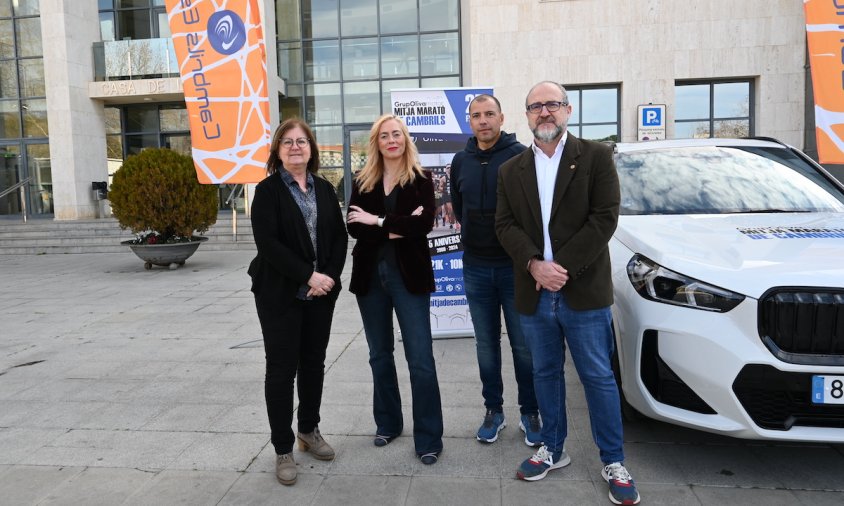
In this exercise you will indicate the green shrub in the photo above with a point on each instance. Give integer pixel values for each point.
(156, 195)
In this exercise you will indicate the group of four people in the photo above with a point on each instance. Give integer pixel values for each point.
(535, 225)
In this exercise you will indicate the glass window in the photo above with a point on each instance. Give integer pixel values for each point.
(136, 143)
(107, 26)
(440, 54)
(713, 109)
(291, 105)
(441, 82)
(112, 120)
(323, 104)
(10, 170)
(692, 101)
(8, 79)
(360, 58)
(732, 128)
(134, 24)
(179, 143)
(361, 101)
(394, 84)
(574, 102)
(114, 147)
(287, 19)
(691, 130)
(594, 112)
(330, 141)
(10, 121)
(127, 4)
(41, 185)
(599, 132)
(731, 100)
(141, 118)
(398, 16)
(32, 77)
(35, 118)
(322, 60)
(29, 36)
(163, 25)
(7, 39)
(400, 56)
(358, 17)
(174, 118)
(319, 18)
(290, 61)
(105, 4)
(26, 7)
(600, 105)
(437, 15)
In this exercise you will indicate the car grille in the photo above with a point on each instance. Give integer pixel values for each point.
(779, 400)
(803, 325)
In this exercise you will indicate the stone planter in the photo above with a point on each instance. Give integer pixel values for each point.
(166, 255)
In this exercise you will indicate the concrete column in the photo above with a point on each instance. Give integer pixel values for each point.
(77, 123)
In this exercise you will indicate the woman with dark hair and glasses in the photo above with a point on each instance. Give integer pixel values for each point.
(301, 241)
(391, 211)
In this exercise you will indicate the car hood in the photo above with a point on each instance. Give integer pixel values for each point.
(745, 253)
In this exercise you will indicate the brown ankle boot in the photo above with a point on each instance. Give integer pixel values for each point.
(285, 469)
(315, 444)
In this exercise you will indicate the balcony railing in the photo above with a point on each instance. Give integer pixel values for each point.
(134, 59)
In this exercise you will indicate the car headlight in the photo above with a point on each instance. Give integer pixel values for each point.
(654, 282)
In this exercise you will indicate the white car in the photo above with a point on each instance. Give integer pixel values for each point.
(728, 271)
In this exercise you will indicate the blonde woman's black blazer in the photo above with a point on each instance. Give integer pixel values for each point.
(412, 254)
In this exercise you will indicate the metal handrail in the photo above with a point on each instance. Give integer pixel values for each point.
(233, 196)
(21, 185)
(14, 187)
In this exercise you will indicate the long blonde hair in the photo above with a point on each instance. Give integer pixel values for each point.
(373, 171)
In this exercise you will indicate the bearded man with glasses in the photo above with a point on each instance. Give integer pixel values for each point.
(557, 208)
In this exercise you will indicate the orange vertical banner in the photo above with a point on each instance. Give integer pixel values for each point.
(219, 45)
(825, 33)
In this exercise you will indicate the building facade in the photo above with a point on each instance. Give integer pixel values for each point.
(85, 83)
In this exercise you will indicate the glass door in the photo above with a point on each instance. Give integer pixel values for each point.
(355, 148)
(10, 174)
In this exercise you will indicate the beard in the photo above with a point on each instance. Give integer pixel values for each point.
(547, 135)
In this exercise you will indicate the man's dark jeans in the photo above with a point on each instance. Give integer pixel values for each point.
(489, 290)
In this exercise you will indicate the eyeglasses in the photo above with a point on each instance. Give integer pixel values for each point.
(553, 106)
(301, 142)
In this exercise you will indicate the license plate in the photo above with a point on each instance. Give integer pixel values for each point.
(828, 389)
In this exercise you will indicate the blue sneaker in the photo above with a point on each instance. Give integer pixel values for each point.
(622, 488)
(531, 425)
(493, 423)
(536, 467)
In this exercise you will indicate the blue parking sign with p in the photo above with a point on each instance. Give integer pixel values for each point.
(652, 116)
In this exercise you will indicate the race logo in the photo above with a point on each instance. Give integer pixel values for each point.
(226, 32)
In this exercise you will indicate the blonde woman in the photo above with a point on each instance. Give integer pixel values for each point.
(391, 211)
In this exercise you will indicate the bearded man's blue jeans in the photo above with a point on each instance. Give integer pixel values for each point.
(590, 342)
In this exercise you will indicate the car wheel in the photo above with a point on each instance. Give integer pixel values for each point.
(628, 412)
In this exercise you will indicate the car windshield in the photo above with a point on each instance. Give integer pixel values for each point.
(722, 180)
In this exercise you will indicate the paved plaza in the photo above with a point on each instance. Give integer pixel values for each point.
(125, 386)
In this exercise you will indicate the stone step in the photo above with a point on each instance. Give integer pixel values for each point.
(42, 236)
